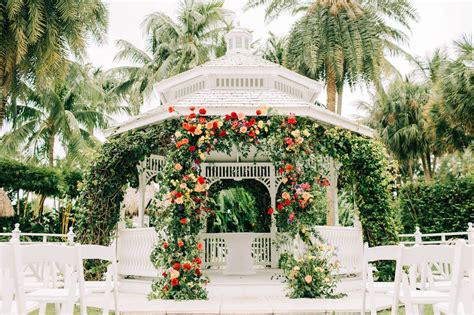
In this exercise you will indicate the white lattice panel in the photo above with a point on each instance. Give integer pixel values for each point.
(134, 249)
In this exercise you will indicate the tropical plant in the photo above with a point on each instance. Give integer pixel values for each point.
(173, 46)
(342, 42)
(274, 48)
(68, 110)
(37, 36)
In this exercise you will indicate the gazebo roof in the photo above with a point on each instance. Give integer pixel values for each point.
(240, 81)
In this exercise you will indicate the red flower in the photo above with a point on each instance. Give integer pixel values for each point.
(192, 108)
(280, 206)
(164, 274)
(178, 194)
(174, 282)
(292, 216)
(202, 111)
(251, 133)
(187, 266)
(289, 167)
(165, 288)
(227, 117)
(326, 182)
(165, 245)
(287, 202)
(176, 266)
(215, 125)
(202, 120)
(234, 115)
(192, 129)
(183, 221)
(223, 133)
(198, 272)
(180, 243)
(280, 170)
(170, 109)
(270, 211)
(259, 112)
(292, 120)
(192, 149)
(192, 115)
(198, 260)
(201, 180)
(199, 246)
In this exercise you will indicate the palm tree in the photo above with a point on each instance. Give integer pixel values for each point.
(67, 111)
(173, 46)
(342, 41)
(37, 36)
(274, 48)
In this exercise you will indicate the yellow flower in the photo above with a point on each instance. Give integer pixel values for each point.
(243, 129)
(220, 123)
(295, 133)
(202, 156)
(306, 196)
(178, 167)
(318, 269)
(284, 180)
(260, 124)
(285, 195)
(177, 134)
(306, 133)
(198, 130)
(327, 279)
(299, 140)
(179, 200)
(241, 116)
(308, 279)
(296, 268)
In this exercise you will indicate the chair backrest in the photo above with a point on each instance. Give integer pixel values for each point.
(380, 253)
(463, 265)
(7, 277)
(427, 254)
(97, 252)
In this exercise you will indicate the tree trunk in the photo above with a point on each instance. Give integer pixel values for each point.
(331, 88)
(3, 104)
(51, 149)
(426, 169)
(339, 98)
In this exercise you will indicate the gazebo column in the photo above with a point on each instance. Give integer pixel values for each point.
(273, 229)
(331, 194)
(141, 196)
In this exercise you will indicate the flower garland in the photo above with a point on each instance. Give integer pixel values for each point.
(185, 189)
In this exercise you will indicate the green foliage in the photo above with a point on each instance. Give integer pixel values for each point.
(441, 206)
(16, 176)
(312, 275)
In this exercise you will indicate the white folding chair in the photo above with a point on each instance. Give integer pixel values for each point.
(106, 253)
(373, 254)
(461, 294)
(9, 279)
(417, 258)
(67, 258)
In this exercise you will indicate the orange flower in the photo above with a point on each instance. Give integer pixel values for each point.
(308, 279)
(170, 109)
(285, 195)
(199, 246)
(289, 167)
(180, 243)
(183, 220)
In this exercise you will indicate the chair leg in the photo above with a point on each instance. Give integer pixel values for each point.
(42, 309)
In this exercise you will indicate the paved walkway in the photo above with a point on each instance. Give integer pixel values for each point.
(258, 294)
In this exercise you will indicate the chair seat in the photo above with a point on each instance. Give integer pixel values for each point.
(48, 295)
(426, 296)
(96, 286)
(443, 286)
(382, 286)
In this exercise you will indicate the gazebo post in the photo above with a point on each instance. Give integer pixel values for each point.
(273, 228)
(331, 193)
(141, 194)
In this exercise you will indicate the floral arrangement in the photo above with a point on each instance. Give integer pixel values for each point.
(186, 190)
(312, 275)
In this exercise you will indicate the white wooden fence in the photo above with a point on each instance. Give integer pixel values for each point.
(419, 238)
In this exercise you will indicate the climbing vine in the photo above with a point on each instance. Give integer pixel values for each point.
(292, 144)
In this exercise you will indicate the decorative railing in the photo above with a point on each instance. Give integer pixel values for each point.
(134, 248)
(38, 237)
(215, 249)
(419, 238)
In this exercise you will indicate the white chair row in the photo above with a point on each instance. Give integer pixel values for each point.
(61, 281)
(415, 284)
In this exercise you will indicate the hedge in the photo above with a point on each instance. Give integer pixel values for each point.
(16, 175)
(443, 206)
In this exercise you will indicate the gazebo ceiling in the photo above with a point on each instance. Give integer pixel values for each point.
(239, 82)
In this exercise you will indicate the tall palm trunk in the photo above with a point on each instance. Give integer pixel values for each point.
(331, 88)
(4, 86)
(339, 98)
(51, 149)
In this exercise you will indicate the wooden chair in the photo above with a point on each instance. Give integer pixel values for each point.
(461, 294)
(405, 288)
(370, 287)
(106, 253)
(68, 258)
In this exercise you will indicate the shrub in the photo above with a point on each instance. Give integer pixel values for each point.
(443, 206)
(312, 275)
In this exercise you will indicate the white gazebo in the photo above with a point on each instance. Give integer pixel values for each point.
(239, 82)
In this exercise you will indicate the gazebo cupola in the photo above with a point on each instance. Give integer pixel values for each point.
(238, 40)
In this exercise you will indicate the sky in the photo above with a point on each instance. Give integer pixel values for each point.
(441, 22)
